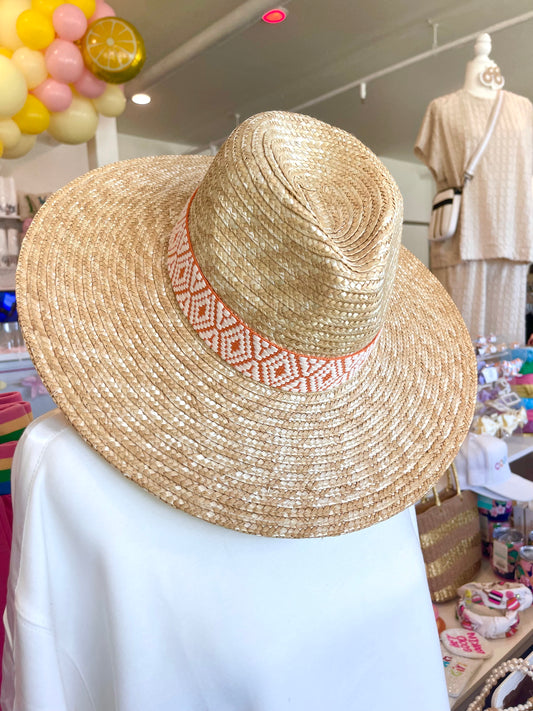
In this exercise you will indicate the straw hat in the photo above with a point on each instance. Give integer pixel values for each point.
(265, 355)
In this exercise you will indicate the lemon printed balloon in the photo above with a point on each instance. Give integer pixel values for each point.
(113, 50)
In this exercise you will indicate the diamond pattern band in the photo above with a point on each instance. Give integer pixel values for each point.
(235, 342)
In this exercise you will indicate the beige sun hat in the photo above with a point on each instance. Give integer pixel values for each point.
(244, 336)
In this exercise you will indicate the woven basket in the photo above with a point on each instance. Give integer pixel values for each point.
(448, 526)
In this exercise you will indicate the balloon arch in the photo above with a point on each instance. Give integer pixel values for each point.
(62, 64)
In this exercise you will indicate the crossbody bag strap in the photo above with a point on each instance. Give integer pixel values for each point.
(491, 124)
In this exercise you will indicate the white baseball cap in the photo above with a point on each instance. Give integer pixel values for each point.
(483, 466)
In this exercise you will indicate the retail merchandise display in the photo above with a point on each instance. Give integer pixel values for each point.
(484, 265)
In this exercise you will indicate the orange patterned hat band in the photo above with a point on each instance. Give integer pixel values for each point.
(235, 342)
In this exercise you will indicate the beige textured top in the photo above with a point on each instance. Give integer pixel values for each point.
(496, 219)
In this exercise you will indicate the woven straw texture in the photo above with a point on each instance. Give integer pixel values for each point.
(297, 227)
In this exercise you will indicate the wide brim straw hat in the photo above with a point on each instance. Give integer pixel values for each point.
(165, 328)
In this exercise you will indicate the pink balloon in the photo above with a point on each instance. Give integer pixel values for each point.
(64, 61)
(102, 10)
(55, 95)
(90, 86)
(69, 22)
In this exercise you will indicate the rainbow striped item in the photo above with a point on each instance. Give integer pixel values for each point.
(7, 450)
(14, 418)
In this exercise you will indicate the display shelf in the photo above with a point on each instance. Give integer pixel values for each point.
(502, 649)
(518, 446)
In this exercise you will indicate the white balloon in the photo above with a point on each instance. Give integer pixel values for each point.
(9, 11)
(9, 133)
(13, 89)
(23, 146)
(77, 124)
(32, 65)
(112, 102)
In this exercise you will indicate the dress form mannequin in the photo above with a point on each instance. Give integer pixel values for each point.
(483, 76)
(484, 265)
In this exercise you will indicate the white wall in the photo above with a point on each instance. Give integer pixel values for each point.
(136, 147)
(417, 187)
(46, 167)
(49, 166)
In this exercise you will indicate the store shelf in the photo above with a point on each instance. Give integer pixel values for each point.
(502, 649)
(518, 446)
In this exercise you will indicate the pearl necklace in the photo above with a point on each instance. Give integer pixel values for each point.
(496, 674)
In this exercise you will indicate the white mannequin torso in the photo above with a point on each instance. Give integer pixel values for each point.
(117, 601)
(482, 76)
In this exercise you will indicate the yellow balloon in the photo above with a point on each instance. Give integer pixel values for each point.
(34, 117)
(35, 29)
(31, 63)
(9, 133)
(112, 102)
(13, 89)
(46, 7)
(86, 6)
(24, 145)
(77, 124)
(9, 11)
(1, 148)
(113, 50)
(6, 52)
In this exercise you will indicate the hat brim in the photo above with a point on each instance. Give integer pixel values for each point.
(118, 357)
(515, 488)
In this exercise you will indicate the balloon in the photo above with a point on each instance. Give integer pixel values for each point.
(9, 133)
(1, 148)
(86, 6)
(46, 7)
(102, 10)
(31, 64)
(113, 50)
(69, 22)
(35, 29)
(6, 52)
(55, 95)
(13, 89)
(90, 86)
(9, 11)
(33, 117)
(23, 146)
(77, 124)
(64, 61)
(112, 102)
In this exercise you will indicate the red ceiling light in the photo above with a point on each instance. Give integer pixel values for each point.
(273, 17)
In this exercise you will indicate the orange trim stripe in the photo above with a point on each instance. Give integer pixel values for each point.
(238, 344)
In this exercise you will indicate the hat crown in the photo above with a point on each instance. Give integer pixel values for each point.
(297, 228)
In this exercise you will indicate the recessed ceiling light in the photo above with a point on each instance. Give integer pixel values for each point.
(141, 99)
(274, 16)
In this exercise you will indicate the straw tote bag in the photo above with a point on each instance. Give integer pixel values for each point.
(448, 526)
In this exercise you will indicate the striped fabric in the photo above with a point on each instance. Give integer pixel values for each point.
(15, 416)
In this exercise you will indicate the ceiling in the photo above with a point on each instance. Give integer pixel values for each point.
(322, 46)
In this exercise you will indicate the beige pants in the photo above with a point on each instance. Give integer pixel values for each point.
(491, 296)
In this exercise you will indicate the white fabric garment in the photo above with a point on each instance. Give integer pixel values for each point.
(118, 602)
(491, 296)
(496, 219)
